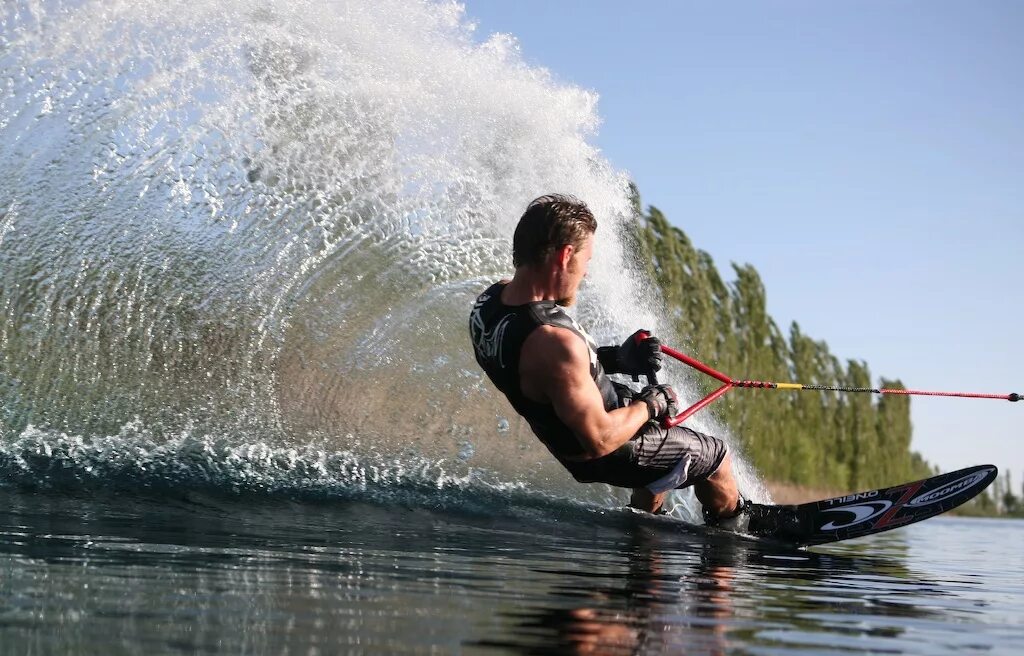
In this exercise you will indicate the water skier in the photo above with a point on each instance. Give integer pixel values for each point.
(556, 377)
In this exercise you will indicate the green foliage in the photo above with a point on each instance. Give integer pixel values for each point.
(826, 439)
(997, 501)
(818, 439)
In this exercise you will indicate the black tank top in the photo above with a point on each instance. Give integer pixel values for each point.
(498, 332)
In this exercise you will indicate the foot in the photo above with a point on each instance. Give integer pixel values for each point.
(780, 522)
(736, 521)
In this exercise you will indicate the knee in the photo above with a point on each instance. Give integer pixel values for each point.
(719, 494)
(644, 499)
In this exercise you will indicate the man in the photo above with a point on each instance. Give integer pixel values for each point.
(557, 379)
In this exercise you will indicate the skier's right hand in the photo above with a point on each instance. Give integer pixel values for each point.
(661, 401)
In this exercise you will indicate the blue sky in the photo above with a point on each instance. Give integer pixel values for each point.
(866, 157)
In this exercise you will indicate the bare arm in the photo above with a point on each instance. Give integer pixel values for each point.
(554, 368)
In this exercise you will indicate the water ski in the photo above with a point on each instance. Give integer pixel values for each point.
(863, 513)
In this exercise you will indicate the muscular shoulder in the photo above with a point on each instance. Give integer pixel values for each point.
(556, 343)
(551, 356)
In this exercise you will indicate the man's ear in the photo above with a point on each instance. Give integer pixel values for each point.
(564, 255)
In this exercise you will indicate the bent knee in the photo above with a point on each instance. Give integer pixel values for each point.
(644, 499)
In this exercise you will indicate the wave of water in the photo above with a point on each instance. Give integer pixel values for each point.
(134, 460)
(232, 230)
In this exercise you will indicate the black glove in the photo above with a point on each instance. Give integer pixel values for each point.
(661, 401)
(635, 357)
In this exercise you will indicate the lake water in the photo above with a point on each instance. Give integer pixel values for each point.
(192, 573)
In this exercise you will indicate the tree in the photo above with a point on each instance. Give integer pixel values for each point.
(836, 440)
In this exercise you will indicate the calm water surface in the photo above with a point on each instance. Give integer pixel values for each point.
(133, 574)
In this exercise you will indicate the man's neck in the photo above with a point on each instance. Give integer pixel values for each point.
(526, 287)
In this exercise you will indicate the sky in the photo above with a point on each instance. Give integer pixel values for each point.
(866, 157)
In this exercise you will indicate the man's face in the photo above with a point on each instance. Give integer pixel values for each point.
(575, 272)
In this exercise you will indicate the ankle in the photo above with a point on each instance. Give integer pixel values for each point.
(713, 517)
(741, 503)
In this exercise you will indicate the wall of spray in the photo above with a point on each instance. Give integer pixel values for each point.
(249, 233)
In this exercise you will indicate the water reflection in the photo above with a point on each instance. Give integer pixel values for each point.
(183, 573)
(658, 608)
(688, 591)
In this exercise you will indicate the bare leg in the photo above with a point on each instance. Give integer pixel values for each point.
(717, 493)
(644, 499)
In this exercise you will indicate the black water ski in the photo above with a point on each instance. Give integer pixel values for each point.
(865, 513)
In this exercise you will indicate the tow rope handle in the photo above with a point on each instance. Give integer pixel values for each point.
(728, 383)
(652, 379)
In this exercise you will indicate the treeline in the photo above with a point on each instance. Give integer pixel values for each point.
(824, 439)
(998, 500)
